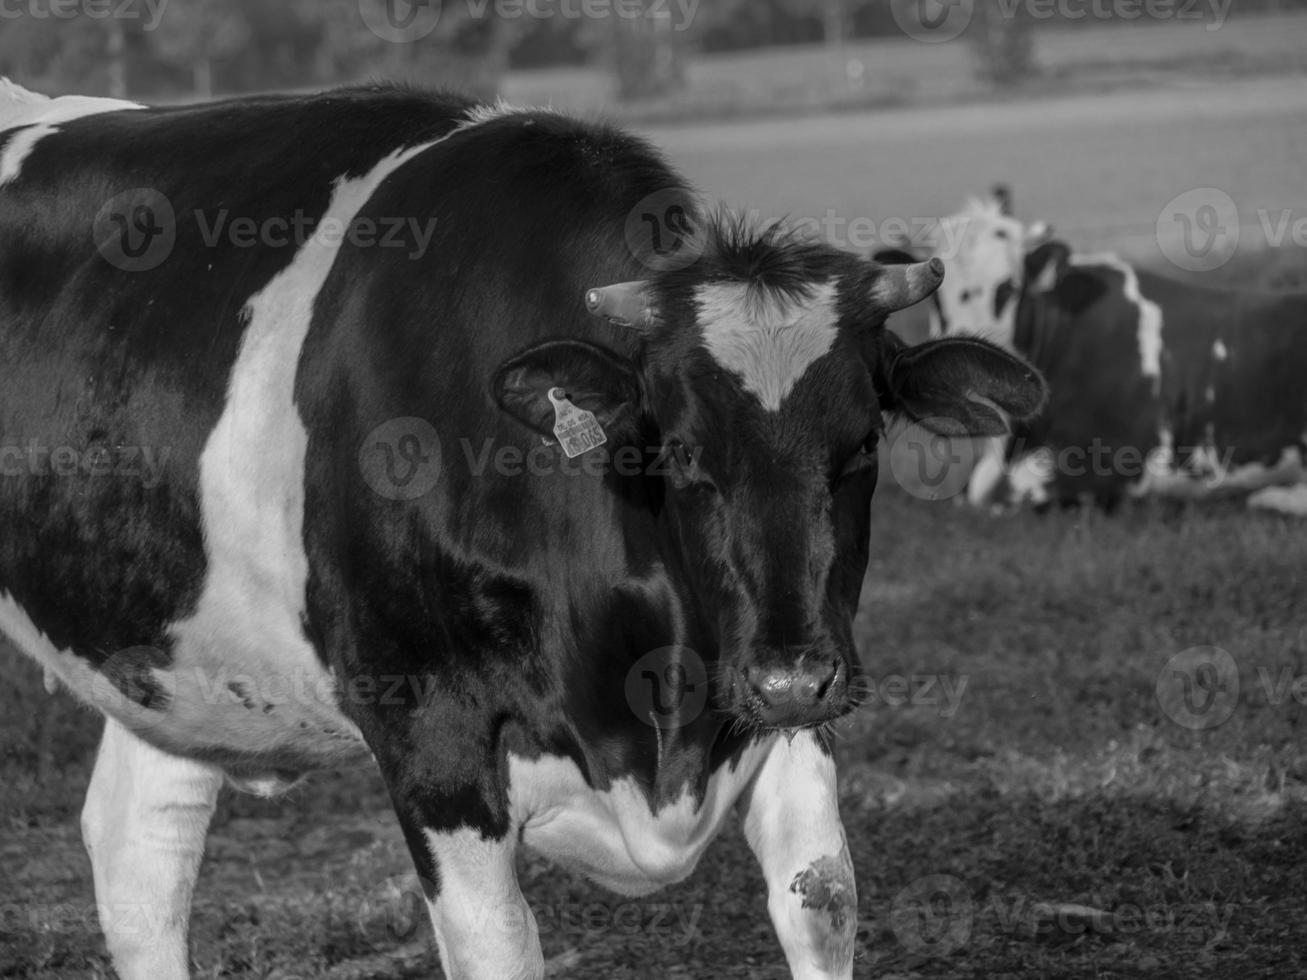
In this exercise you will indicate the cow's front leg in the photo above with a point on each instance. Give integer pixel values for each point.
(484, 928)
(792, 822)
(146, 816)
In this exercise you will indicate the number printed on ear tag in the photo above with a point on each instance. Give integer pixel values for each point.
(576, 429)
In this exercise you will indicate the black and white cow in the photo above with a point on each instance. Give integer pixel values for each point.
(1157, 386)
(982, 247)
(243, 513)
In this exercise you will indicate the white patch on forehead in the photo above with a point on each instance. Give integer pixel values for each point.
(1150, 314)
(769, 340)
(43, 117)
(1219, 350)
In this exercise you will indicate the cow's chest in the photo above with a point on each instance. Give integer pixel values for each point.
(614, 836)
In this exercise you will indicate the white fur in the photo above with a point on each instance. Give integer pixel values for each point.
(484, 928)
(1284, 500)
(1029, 477)
(248, 620)
(19, 107)
(612, 836)
(786, 787)
(1149, 332)
(144, 823)
(976, 262)
(770, 341)
(791, 819)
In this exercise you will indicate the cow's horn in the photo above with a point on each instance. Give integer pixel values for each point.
(623, 303)
(899, 286)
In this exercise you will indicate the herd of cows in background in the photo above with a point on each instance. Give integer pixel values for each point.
(278, 600)
(1157, 387)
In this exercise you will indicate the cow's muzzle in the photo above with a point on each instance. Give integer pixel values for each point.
(810, 691)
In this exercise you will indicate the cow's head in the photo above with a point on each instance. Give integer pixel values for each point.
(765, 374)
(983, 248)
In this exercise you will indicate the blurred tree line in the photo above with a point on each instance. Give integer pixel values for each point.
(202, 47)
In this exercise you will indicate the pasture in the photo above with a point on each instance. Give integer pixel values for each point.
(1022, 792)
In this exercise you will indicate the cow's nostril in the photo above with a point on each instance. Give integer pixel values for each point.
(806, 684)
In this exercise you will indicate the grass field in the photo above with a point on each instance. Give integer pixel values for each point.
(1036, 811)
(1038, 768)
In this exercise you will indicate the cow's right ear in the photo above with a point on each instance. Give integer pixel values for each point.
(591, 377)
(959, 386)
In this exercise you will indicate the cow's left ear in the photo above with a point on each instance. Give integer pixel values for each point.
(960, 386)
(591, 377)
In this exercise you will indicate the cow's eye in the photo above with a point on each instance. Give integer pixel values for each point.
(860, 462)
(964, 296)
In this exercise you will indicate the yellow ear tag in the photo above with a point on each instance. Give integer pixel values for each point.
(576, 429)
